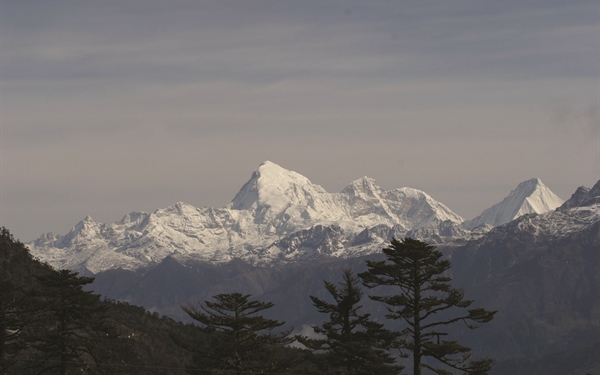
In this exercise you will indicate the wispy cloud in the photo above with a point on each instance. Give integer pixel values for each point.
(181, 100)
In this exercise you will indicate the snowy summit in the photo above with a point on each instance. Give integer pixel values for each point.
(530, 197)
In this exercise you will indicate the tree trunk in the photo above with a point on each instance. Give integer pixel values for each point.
(417, 321)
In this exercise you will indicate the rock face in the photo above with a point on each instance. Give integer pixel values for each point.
(583, 197)
(530, 197)
(278, 216)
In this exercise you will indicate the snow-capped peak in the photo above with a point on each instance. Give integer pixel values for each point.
(275, 188)
(583, 197)
(364, 183)
(363, 189)
(87, 230)
(85, 226)
(530, 196)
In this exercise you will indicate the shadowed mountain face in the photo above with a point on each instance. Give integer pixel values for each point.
(542, 274)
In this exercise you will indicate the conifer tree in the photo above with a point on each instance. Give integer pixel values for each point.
(13, 321)
(354, 344)
(74, 329)
(239, 340)
(19, 308)
(425, 303)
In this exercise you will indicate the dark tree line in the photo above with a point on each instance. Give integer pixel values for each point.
(50, 325)
(53, 328)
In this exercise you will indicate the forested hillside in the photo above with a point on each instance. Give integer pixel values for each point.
(50, 325)
(545, 292)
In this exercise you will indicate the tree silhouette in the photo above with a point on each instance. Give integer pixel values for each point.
(417, 272)
(14, 319)
(74, 326)
(354, 344)
(20, 309)
(239, 339)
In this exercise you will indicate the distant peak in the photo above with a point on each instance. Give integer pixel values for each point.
(534, 180)
(583, 196)
(271, 173)
(530, 196)
(269, 184)
(182, 204)
(595, 190)
(364, 181)
(530, 184)
(268, 163)
(269, 168)
(363, 186)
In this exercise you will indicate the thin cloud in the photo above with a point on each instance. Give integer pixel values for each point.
(181, 101)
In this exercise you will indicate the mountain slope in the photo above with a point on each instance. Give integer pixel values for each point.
(530, 196)
(541, 273)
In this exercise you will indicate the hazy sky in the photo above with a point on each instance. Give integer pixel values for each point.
(109, 107)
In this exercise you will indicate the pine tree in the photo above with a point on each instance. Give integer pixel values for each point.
(19, 308)
(13, 322)
(354, 344)
(74, 329)
(239, 340)
(424, 294)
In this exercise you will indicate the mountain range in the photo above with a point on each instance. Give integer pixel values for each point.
(277, 217)
(532, 257)
(541, 272)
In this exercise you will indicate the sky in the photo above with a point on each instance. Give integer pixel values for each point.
(109, 107)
